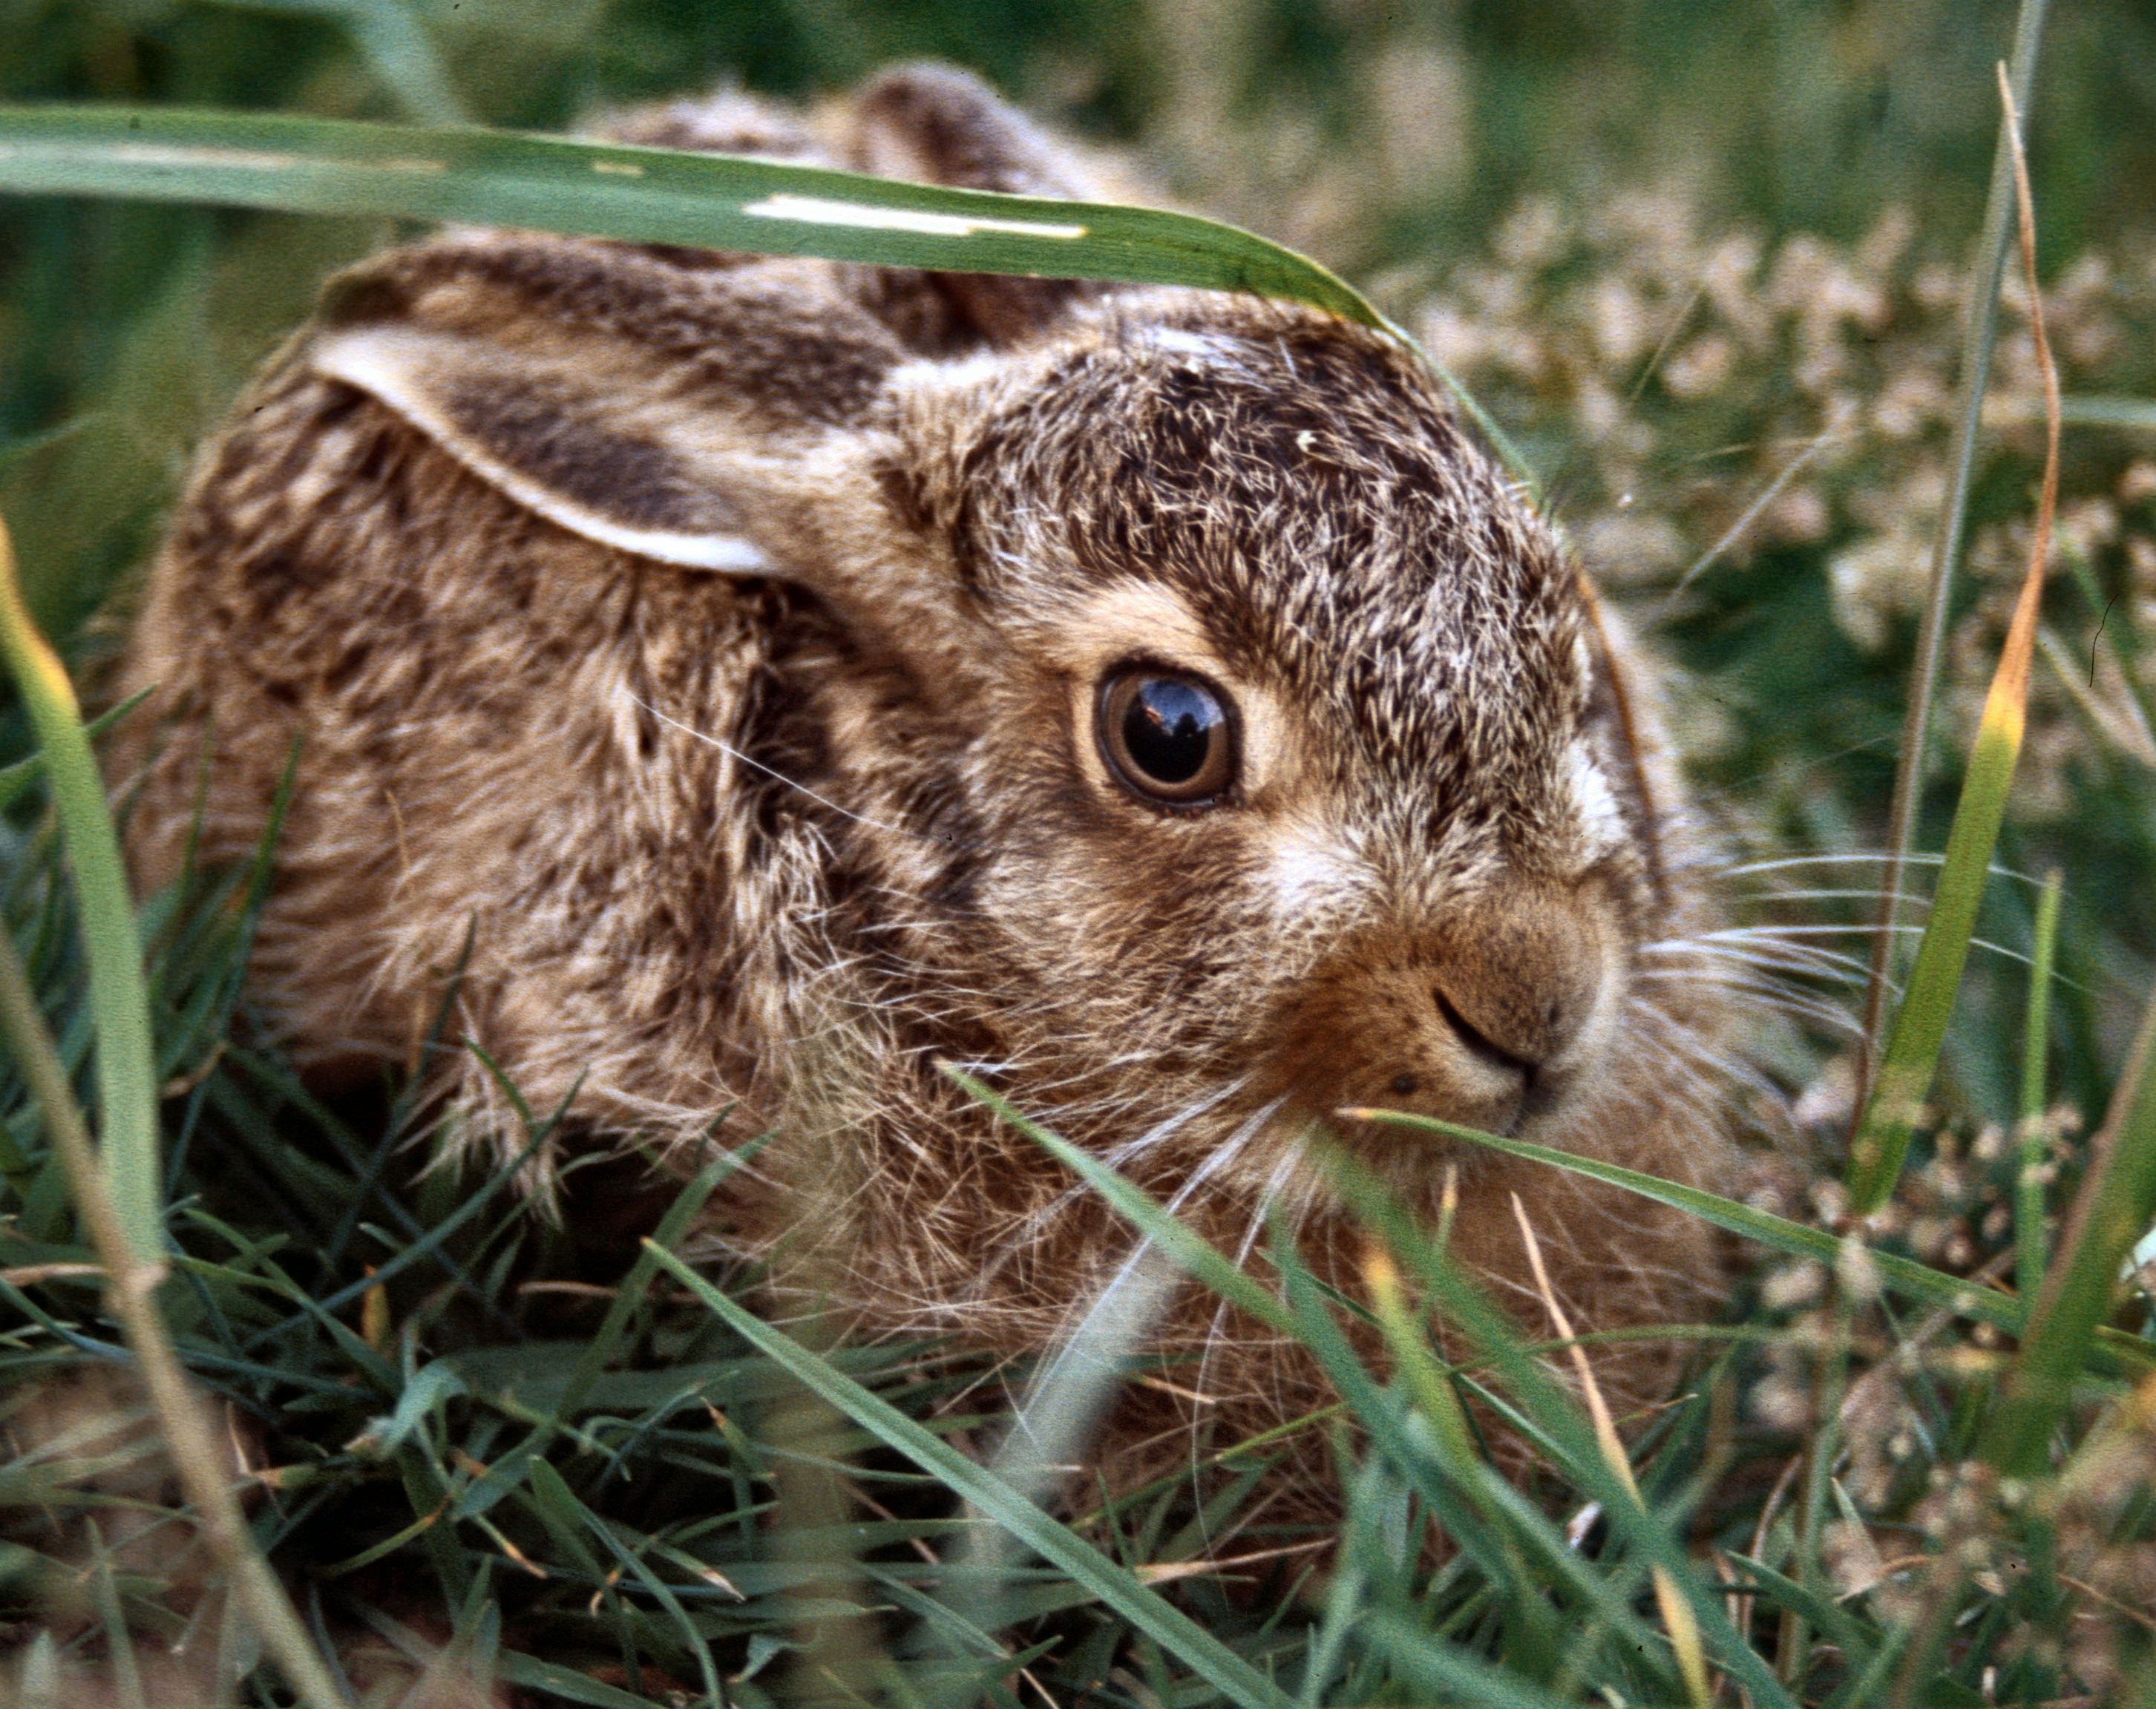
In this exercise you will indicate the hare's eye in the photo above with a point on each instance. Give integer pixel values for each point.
(1168, 736)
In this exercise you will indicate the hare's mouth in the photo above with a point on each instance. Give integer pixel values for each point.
(1502, 1099)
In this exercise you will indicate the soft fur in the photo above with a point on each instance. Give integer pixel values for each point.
(715, 640)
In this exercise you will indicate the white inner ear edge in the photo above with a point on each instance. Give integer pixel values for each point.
(381, 361)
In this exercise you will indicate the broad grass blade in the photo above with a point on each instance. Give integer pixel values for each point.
(120, 1001)
(1204, 1653)
(301, 165)
(1911, 1061)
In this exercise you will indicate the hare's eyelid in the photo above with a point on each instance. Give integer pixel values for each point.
(415, 373)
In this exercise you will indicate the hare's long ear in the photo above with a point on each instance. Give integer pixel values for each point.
(937, 124)
(671, 414)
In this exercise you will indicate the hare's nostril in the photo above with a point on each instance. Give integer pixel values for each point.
(1479, 1042)
(1403, 1084)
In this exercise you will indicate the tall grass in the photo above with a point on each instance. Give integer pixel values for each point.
(472, 1445)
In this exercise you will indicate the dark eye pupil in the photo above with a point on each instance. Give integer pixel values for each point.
(1168, 738)
(1168, 729)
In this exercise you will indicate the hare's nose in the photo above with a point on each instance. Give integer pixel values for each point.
(1521, 986)
(1489, 1017)
(1522, 1058)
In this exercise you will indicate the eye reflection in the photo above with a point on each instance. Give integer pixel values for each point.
(1167, 736)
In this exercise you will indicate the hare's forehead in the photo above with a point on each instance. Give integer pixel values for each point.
(1307, 497)
(1403, 600)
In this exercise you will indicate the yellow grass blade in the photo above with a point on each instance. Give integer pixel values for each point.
(1678, 1617)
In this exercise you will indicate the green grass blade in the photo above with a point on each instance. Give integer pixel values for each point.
(630, 1562)
(301, 165)
(1569, 1439)
(518, 1668)
(1431, 1459)
(2129, 413)
(505, 1473)
(1905, 1075)
(1982, 319)
(1447, 1673)
(130, 1275)
(2029, 1242)
(119, 995)
(1551, 1419)
(1205, 1655)
(394, 42)
(2116, 1200)
(1911, 1061)
(1195, 1256)
(16, 780)
(1059, 1416)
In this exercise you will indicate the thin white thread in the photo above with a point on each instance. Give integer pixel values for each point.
(732, 752)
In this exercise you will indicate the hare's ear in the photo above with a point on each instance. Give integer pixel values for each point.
(672, 418)
(937, 124)
(622, 471)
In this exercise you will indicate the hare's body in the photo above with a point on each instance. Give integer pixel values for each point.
(787, 677)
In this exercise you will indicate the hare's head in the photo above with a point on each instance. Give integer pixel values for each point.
(1206, 737)
(1295, 772)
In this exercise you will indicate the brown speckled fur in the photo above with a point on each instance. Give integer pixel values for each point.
(785, 834)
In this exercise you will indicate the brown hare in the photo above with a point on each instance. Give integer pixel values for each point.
(792, 677)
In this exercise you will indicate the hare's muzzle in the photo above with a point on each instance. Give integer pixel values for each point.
(1487, 1018)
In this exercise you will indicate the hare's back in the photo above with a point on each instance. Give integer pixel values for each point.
(498, 724)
